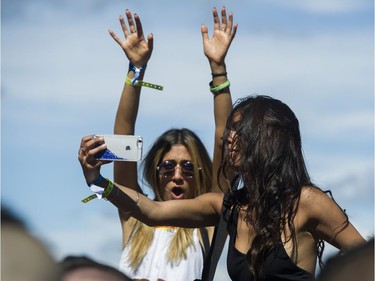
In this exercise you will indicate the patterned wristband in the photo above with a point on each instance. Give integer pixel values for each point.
(137, 71)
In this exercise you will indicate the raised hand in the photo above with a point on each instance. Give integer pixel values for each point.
(135, 46)
(216, 47)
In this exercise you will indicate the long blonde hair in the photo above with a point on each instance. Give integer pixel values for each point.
(142, 235)
(142, 239)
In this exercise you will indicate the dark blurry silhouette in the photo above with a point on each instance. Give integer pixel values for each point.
(81, 268)
(355, 264)
(23, 256)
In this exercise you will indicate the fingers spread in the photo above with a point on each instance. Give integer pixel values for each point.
(204, 31)
(132, 27)
(123, 26)
(138, 24)
(230, 21)
(216, 19)
(223, 19)
(115, 37)
(150, 41)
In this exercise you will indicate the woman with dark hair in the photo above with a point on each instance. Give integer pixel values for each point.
(277, 218)
(80, 268)
(177, 166)
(278, 202)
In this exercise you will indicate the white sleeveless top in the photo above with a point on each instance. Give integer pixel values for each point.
(154, 265)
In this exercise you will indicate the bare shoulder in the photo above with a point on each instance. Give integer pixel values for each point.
(315, 201)
(311, 195)
(326, 219)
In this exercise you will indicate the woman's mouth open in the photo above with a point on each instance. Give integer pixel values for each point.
(177, 193)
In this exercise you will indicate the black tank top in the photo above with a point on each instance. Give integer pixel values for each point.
(278, 265)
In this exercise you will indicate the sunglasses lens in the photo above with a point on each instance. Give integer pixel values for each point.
(167, 169)
(188, 166)
(188, 169)
(168, 166)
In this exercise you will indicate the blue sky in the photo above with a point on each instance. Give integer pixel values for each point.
(62, 76)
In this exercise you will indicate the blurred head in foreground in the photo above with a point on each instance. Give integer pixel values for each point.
(23, 256)
(81, 268)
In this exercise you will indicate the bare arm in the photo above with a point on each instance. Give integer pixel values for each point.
(215, 49)
(198, 212)
(329, 221)
(201, 211)
(138, 51)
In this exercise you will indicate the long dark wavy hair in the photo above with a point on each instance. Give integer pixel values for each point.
(271, 169)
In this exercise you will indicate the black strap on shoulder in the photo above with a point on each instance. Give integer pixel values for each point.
(205, 240)
(216, 248)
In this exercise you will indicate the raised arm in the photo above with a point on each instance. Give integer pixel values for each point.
(215, 49)
(201, 211)
(138, 51)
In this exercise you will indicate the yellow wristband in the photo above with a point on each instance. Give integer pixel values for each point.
(105, 193)
(141, 83)
(89, 198)
(108, 189)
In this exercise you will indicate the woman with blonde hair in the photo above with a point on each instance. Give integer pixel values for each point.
(176, 167)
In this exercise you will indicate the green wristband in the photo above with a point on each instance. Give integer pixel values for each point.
(219, 87)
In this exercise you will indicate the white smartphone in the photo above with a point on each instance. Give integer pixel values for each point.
(121, 148)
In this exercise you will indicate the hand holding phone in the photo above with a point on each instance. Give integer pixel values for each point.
(121, 148)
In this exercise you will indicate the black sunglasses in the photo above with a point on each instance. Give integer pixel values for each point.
(168, 167)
